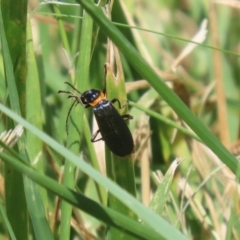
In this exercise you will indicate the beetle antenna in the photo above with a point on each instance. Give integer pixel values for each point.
(77, 100)
(60, 91)
(68, 115)
(72, 87)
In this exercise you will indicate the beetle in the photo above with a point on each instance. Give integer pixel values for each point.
(112, 125)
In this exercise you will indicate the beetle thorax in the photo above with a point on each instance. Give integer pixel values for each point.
(92, 97)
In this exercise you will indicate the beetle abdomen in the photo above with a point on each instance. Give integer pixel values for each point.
(113, 129)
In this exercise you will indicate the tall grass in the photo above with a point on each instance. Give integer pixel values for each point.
(183, 132)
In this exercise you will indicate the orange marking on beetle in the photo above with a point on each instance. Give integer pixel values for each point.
(97, 100)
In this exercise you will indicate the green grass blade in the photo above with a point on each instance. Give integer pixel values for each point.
(166, 120)
(99, 211)
(30, 190)
(80, 82)
(36, 210)
(120, 170)
(69, 168)
(161, 195)
(14, 100)
(17, 213)
(35, 199)
(61, 28)
(7, 223)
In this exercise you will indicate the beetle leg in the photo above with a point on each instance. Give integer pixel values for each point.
(93, 139)
(126, 117)
(119, 104)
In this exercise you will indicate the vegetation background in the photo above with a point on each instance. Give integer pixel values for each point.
(193, 195)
